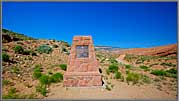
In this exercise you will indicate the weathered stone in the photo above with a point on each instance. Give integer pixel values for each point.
(82, 64)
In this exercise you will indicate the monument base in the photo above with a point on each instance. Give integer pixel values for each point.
(82, 79)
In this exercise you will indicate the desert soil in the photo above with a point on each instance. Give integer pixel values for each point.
(49, 62)
(121, 90)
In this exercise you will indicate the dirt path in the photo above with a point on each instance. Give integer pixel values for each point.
(120, 59)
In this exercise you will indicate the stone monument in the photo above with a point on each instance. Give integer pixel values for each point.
(83, 67)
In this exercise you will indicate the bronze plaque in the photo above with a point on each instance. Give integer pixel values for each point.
(82, 51)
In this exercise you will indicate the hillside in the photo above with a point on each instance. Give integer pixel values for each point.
(34, 68)
(8, 36)
(168, 50)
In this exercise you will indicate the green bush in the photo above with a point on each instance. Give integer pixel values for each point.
(117, 75)
(133, 77)
(44, 49)
(5, 57)
(5, 82)
(171, 73)
(168, 64)
(145, 68)
(18, 49)
(172, 70)
(37, 72)
(159, 72)
(11, 94)
(42, 89)
(168, 73)
(113, 68)
(128, 66)
(56, 77)
(44, 79)
(63, 67)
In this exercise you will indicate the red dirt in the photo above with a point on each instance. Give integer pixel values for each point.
(168, 50)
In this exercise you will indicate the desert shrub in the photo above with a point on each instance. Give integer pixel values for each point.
(42, 89)
(168, 73)
(56, 77)
(5, 82)
(145, 68)
(65, 43)
(128, 66)
(26, 52)
(37, 66)
(146, 79)
(15, 70)
(127, 71)
(33, 53)
(113, 61)
(44, 49)
(11, 94)
(172, 70)
(64, 49)
(113, 68)
(44, 79)
(117, 75)
(37, 72)
(133, 77)
(63, 66)
(107, 71)
(171, 73)
(168, 57)
(5, 57)
(168, 64)
(159, 72)
(18, 49)
(99, 55)
(108, 88)
(102, 60)
(55, 46)
(30, 58)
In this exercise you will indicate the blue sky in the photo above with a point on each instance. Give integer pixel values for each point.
(118, 24)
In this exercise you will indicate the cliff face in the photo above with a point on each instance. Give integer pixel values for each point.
(168, 50)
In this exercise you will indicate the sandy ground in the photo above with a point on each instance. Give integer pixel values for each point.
(121, 90)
